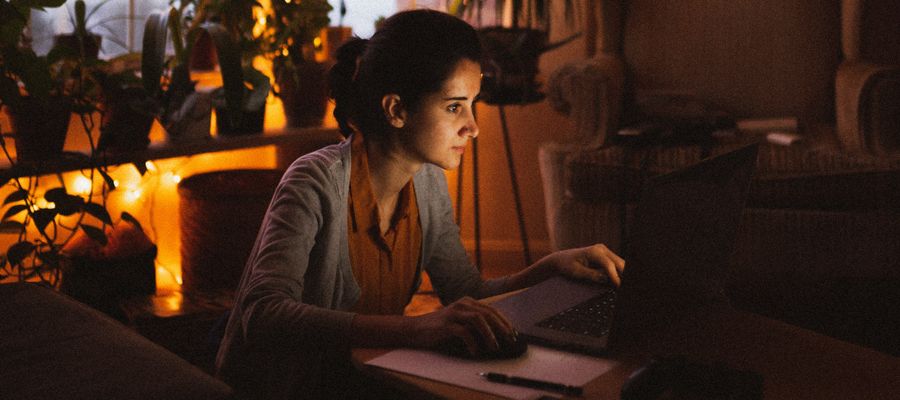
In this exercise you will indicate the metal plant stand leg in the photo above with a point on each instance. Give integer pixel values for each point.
(477, 203)
(523, 234)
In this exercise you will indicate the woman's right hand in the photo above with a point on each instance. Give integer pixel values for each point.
(466, 319)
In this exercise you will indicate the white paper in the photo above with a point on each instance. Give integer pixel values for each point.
(537, 363)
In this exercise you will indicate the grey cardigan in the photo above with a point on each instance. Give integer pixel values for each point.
(290, 320)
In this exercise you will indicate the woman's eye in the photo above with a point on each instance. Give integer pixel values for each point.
(454, 108)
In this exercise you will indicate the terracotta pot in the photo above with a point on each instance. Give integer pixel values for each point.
(303, 93)
(40, 127)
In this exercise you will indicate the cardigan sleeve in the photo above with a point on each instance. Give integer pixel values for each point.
(452, 273)
(283, 297)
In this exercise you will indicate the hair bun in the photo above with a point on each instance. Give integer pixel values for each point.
(341, 81)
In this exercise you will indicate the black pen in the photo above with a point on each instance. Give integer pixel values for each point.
(532, 383)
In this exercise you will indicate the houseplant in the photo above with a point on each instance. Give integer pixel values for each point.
(290, 43)
(239, 22)
(44, 220)
(239, 109)
(512, 52)
(36, 138)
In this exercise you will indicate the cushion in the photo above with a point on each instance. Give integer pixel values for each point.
(52, 347)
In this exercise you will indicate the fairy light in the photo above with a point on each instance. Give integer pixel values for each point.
(82, 185)
(43, 203)
(151, 166)
(173, 177)
(163, 270)
(133, 195)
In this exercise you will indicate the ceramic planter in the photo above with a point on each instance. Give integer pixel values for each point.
(40, 127)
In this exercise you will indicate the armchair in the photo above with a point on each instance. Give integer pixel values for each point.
(819, 244)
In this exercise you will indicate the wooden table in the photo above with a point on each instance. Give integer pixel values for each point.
(795, 363)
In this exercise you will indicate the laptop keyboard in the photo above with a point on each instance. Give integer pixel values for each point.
(592, 317)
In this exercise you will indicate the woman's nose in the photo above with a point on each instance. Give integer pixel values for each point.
(471, 128)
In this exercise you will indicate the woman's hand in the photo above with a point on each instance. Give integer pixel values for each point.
(595, 263)
(465, 319)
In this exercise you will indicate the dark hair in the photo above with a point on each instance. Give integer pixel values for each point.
(411, 55)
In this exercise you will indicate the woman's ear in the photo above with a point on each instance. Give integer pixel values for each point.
(393, 110)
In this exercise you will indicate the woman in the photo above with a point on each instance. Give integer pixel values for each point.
(351, 226)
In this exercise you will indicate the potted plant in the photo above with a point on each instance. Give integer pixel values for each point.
(512, 52)
(184, 112)
(290, 43)
(35, 138)
(237, 19)
(52, 86)
(128, 110)
(83, 38)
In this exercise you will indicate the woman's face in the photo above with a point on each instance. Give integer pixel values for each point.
(438, 131)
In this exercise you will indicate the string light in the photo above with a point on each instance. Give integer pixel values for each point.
(173, 177)
(133, 195)
(82, 185)
(150, 166)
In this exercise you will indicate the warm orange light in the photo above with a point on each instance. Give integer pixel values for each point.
(151, 167)
(81, 185)
(133, 195)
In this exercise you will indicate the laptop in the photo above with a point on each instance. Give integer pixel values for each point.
(676, 252)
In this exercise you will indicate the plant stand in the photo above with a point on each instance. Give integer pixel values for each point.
(523, 234)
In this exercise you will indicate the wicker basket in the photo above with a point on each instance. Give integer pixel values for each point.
(220, 215)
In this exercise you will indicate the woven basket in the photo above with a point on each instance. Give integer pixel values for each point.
(220, 215)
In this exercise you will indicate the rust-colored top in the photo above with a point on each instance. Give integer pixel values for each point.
(384, 265)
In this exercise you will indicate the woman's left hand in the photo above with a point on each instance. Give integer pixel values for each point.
(596, 263)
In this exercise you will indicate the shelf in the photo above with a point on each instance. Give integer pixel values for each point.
(73, 161)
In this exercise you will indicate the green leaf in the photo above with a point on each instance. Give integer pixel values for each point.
(94, 233)
(16, 196)
(14, 227)
(34, 72)
(230, 65)
(50, 259)
(98, 212)
(43, 217)
(65, 203)
(130, 218)
(14, 210)
(153, 53)
(110, 183)
(12, 26)
(18, 251)
(55, 195)
(140, 167)
(261, 86)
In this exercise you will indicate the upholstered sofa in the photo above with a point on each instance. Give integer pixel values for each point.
(819, 243)
(53, 347)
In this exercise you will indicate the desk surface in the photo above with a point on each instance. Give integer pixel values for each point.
(795, 363)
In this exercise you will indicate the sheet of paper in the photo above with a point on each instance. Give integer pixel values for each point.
(538, 363)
